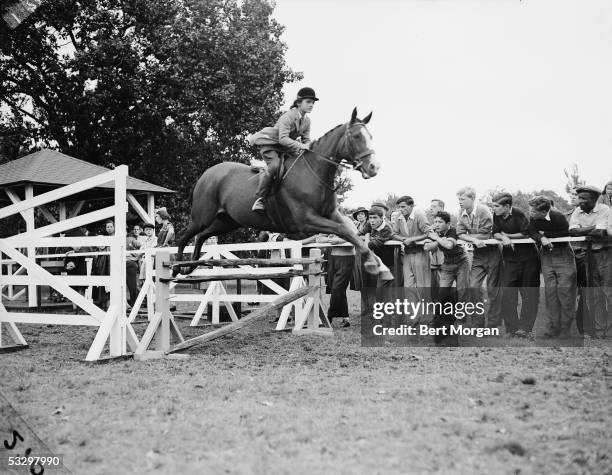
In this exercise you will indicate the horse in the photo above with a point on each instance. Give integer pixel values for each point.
(303, 202)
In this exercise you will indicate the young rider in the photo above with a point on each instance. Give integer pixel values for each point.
(290, 134)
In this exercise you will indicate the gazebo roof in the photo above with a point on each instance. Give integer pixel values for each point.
(51, 169)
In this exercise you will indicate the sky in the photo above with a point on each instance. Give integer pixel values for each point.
(481, 93)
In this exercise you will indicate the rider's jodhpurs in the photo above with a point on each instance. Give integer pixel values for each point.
(272, 157)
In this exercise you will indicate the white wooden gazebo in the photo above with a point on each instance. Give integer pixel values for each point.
(47, 170)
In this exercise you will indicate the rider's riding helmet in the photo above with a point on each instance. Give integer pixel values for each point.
(305, 93)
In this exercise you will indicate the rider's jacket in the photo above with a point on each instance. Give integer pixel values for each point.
(289, 127)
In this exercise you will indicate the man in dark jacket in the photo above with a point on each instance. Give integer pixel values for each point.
(521, 268)
(558, 265)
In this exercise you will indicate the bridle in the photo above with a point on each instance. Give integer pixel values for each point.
(353, 161)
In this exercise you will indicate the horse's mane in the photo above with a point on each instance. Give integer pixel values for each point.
(316, 142)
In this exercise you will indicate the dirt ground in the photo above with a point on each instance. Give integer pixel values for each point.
(271, 403)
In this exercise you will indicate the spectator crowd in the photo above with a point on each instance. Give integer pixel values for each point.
(494, 253)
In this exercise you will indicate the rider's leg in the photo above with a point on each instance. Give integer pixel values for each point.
(272, 158)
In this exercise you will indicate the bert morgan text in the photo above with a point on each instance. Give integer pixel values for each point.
(426, 330)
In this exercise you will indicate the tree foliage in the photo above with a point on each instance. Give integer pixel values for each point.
(168, 87)
(520, 199)
(573, 178)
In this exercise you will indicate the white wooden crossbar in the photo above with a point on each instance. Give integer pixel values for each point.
(28, 237)
(55, 195)
(42, 275)
(72, 280)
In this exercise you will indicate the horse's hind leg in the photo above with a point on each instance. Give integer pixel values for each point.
(222, 224)
(193, 229)
(197, 247)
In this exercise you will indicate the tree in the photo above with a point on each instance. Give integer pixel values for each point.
(521, 199)
(167, 87)
(390, 200)
(573, 178)
(342, 184)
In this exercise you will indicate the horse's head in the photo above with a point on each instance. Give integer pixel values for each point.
(360, 153)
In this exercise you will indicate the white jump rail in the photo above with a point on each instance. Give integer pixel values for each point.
(162, 329)
(112, 323)
(216, 293)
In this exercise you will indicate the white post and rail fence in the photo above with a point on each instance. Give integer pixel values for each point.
(216, 265)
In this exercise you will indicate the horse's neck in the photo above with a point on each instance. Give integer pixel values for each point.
(330, 143)
(326, 147)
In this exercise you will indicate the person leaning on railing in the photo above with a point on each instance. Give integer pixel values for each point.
(375, 240)
(454, 269)
(591, 219)
(474, 225)
(340, 264)
(558, 266)
(410, 227)
(520, 270)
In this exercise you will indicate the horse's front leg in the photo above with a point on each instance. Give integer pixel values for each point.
(336, 225)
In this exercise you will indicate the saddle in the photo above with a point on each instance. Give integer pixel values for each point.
(258, 166)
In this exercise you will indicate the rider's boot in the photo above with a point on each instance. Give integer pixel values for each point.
(265, 182)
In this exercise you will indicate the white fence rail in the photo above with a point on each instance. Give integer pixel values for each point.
(111, 322)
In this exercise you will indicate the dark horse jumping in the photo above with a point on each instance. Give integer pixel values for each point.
(304, 202)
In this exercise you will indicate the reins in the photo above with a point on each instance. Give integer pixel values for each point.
(358, 160)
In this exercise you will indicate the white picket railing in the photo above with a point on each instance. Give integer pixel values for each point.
(111, 322)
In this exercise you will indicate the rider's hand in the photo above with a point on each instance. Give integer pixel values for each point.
(305, 146)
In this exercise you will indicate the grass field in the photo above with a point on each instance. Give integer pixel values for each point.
(266, 402)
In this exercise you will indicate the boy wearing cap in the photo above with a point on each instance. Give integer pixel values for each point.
(591, 219)
(290, 134)
(558, 265)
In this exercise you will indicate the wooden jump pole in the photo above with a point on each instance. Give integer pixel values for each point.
(243, 275)
(247, 262)
(253, 317)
